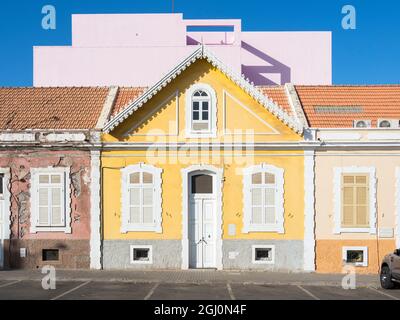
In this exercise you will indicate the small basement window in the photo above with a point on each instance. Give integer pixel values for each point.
(50, 255)
(357, 256)
(1, 184)
(141, 254)
(263, 254)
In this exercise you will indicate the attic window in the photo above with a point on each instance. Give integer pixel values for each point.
(200, 111)
(338, 109)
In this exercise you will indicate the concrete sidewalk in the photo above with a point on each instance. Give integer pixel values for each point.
(194, 276)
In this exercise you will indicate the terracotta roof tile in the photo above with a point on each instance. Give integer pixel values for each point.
(125, 96)
(50, 108)
(278, 95)
(358, 102)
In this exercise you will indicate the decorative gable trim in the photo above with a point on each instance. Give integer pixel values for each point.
(203, 53)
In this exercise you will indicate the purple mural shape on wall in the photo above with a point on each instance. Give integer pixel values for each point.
(256, 74)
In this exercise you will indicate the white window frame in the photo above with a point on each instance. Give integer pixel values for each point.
(357, 264)
(137, 246)
(35, 172)
(126, 226)
(279, 199)
(262, 246)
(212, 133)
(337, 198)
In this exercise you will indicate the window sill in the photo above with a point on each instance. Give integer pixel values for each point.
(356, 230)
(194, 134)
(50, 229)
(357, 264)
(264, 228)
(138, 228)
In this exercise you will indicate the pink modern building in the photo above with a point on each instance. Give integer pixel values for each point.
(138, 49)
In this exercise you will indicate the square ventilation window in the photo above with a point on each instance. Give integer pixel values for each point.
(141, 254)
(357, 256)
(50, 255)
(264, 254)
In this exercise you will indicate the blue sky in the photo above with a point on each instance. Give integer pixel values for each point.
(368, 55)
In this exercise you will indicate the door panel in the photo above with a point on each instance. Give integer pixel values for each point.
(195, 234)
(208, 233)
(201, 233)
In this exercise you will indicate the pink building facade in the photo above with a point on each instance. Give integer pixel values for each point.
(138, 49)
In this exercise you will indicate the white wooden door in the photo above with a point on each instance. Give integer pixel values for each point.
(202, 232)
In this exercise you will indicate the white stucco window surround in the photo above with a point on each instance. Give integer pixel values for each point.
(141, 198)
(201, 111)
(337, 198)
(263, 199)
(357, 256)
(50, 200)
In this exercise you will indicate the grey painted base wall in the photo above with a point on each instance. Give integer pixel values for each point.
(237, 254)
(166, 254)
(288, 255)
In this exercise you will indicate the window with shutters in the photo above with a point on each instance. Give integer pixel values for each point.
(141, 198)
(355, 199)
(50, 200)
(201, 111)
(263, 199)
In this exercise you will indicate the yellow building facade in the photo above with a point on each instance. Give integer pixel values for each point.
(204, 171)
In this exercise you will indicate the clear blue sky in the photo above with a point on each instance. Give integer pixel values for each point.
(368, 55)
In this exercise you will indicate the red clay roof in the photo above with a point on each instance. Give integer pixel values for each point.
(278, 95)
(50, 108)
(338, 106)
(125, 96)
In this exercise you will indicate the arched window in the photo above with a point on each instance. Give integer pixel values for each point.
(200, 111)
(263, 198)
(141, 198)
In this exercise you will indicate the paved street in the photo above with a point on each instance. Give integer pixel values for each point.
(128, 290)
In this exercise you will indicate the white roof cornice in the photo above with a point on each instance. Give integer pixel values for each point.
(204, 53)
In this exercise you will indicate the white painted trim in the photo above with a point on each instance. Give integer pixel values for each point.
(337, 195)
(309, 211)
(397, 206)
(383, 135)
(150, 114)
(212, 114)
(157, 198)
(262, 246)
(279, 200)
(107, 106)
(34, 199)
(7, 212)
(217, 186)
(203, 53)
(137, 246)
(248, 109)
(295, 103)
(95, 211)
(339, 136)
(17, 137)
(357, 264)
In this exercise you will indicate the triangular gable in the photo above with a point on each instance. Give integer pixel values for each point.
(203, 53)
